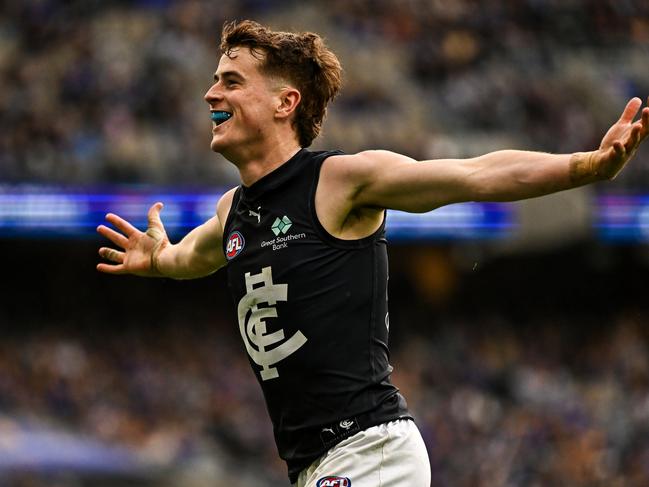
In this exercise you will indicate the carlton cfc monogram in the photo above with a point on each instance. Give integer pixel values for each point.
(254, 333)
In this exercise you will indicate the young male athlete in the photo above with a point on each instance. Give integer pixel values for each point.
(303, 240)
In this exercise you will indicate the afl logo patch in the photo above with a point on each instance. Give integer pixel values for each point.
(334, 482)
(235, 245)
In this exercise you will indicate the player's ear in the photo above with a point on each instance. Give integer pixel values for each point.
(289, 98)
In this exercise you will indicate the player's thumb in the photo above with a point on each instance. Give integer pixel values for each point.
(153, 217)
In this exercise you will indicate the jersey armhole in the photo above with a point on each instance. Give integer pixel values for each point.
(321, 230)
(228, 220)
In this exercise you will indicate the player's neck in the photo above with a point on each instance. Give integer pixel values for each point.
(254, 165)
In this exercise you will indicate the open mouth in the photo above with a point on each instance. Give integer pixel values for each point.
(219, 117)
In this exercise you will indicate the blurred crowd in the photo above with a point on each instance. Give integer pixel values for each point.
(539, 384)
(497, 407)
(97, 92)
(110, 91)
(501, 407)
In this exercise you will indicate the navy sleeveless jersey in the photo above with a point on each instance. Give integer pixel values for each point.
(312, 312)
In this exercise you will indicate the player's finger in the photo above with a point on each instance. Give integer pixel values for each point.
(111, 269)
(111, 254)
(630, 110)
(126, 228)
(618, 147)
(645, 122)
(634, 138)
(113, 236)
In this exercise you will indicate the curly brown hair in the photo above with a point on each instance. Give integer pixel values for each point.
(302, 59)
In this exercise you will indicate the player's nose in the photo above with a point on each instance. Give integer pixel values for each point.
(213, 95)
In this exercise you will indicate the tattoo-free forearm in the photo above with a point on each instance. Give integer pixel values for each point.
(198, 254)
(510, 175)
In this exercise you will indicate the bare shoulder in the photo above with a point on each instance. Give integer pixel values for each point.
(356, 167)
(363, 158)
(348, 175)
(225, 201)
(223, 206)
(342, 179)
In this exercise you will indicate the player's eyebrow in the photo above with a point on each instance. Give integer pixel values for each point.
(228, 74)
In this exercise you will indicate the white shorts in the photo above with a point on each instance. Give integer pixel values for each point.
(388, 455)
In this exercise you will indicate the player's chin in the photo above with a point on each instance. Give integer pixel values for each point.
(217, 144)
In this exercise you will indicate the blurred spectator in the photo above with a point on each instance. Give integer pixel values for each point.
(512, 385)
(109, 92)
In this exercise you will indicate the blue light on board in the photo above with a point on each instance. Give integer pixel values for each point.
(51, 211)
(623, 218)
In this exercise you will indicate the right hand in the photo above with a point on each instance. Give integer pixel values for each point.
(140, 249)
(622, 140)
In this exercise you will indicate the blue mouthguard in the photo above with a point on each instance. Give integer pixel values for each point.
(220, 116)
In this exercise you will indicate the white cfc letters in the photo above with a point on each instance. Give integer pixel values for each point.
(261, 289)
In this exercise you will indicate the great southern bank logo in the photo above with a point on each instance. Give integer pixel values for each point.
(235, 245)
(281, 225)
(280, 228)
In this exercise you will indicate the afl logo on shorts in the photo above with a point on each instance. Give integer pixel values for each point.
(235, 245)
(334, 482)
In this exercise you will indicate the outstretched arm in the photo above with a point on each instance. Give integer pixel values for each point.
(381, 179)
(151, 254)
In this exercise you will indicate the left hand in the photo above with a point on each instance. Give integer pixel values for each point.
(621, 141)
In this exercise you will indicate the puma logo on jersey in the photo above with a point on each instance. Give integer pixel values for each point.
(256, 213)
(260, 289)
